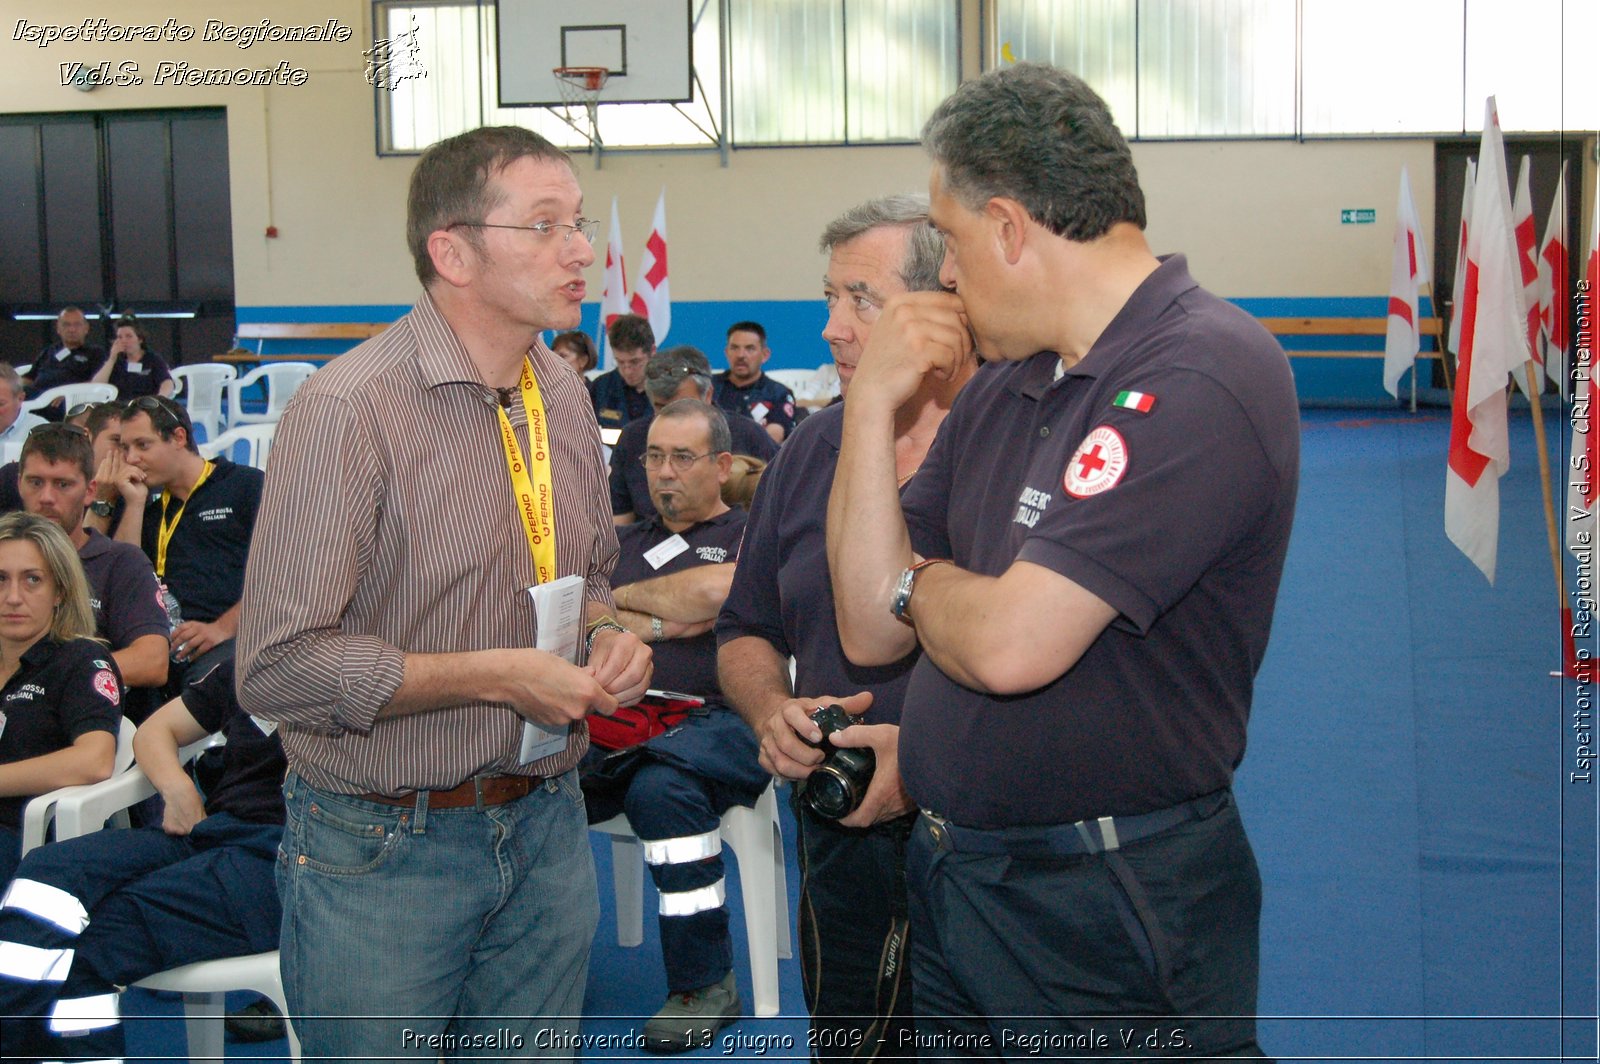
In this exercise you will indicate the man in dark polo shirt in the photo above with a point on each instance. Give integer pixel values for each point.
(72, 361)
(195, 517)
(671, 577)
(1112, 501)
(618, 395)
(677, 373)
(743, 388)
(852, 927)
(57, 481)
(95, 913)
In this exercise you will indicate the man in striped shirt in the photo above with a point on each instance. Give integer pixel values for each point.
(421, 485)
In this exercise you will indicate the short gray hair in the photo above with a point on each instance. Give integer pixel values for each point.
(8, 375)
(666, 371)
(924, 246)
(1038, 135)
(721, 435)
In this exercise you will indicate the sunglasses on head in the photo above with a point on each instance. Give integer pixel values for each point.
(51, 428)
(152, 405)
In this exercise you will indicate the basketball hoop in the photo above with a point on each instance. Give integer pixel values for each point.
(580, 87)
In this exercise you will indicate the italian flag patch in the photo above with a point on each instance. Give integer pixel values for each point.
(1134, 401)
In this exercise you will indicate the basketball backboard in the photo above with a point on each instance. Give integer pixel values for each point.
(646, 47)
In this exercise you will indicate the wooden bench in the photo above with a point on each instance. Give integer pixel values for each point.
(1281, 327)
(262, 331)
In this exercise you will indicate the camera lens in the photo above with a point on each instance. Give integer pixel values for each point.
(830, 794)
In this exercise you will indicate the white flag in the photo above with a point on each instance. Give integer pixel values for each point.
(1404, 340)
(651, 297)
(614, 300)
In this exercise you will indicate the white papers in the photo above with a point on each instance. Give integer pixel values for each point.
(558, 608)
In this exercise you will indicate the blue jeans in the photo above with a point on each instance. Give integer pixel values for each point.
(411, 932)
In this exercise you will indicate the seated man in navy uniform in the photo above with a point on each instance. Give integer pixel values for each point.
(618, 395)
(743, 387)
(88, 915)
(73, 361)
(671, 577)
(681, 372)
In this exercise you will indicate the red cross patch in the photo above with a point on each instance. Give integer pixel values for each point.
(106, 684)
(1097, 465)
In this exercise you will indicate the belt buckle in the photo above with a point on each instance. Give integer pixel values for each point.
(939, 830)
(477, 792)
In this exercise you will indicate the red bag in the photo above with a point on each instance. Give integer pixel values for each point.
(631, 725)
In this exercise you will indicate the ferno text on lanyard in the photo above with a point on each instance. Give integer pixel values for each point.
(165, 530)
(531, 481)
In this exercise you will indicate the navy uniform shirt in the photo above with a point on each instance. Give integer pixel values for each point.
(688, 665)
(1177, 515)
(253, 765)
(781, 590)
(127, 605)
(616, 404)
(764, 399)
(206, 556)
(144, 377)
(630, 488)
(60, 692)
(56, 366)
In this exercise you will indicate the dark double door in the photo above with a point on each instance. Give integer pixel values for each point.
(117, 211)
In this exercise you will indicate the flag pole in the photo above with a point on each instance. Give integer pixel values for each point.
(1569, 655)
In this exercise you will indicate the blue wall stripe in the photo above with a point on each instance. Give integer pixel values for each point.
(794, 329)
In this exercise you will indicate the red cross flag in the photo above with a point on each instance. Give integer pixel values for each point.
(614, 301)
(1528, 263)
(1555, 295)
(1404, 341)
(651, 298)
(1584, 477)
(1494, 343)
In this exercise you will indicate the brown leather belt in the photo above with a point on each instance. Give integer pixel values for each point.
(478, 791)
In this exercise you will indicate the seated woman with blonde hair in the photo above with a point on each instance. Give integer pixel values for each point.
(60, 692)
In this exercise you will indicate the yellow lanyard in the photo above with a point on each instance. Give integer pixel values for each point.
(165, 530)
(532, 483)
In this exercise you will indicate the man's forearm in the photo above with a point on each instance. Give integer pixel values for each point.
(754, 677)
(131, 528)
(691, 595)
(143, 662)
(229, 621)
(868, 544)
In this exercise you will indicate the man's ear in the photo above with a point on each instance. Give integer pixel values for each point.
(453, 259)
(1010, 220)
(724, 466)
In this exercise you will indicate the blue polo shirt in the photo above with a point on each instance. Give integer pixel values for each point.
(56, 366)
(60, 691)
(781, 589)
(1176, 512)
(764, 399)
(688, 665)
(144, 377)
(207, 553)
(616, 404)
(253, 766)
(630, 487)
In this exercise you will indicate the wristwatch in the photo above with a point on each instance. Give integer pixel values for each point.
(906, 584)
(100, 508)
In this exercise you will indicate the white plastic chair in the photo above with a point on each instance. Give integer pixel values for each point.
(281, 379)
(74, 809)
(257, 440)
(72, 395)
(199, 388)
(757, 844)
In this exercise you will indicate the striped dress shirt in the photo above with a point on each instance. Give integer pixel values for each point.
(387, 527)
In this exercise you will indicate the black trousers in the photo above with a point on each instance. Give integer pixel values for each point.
(853, 934)
(1149, 950)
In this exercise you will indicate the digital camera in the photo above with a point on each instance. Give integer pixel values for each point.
(835, 788)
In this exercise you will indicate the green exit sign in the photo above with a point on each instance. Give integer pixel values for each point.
(1358, 216)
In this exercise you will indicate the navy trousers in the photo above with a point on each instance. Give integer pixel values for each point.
(89, 914)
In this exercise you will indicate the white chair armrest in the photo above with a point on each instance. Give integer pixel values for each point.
(84, 812)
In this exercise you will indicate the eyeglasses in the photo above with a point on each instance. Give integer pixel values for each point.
(589, 227)
(51, 428)
(681, 461)
(154, 404)
(667, 370)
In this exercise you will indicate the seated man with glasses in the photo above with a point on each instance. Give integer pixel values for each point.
(57, 481)
(672, 575)
(14, 421)
(681, 372)
(195, 518)
(619, 395)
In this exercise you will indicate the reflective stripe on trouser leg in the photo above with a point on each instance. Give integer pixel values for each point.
(77, 1015)
(685, 849)
(34, 965)
(47, 903)
(689, 902)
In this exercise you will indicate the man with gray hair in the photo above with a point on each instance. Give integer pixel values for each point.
(853, 911)
(681, 372)
(14, 421)
(1111, 503)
